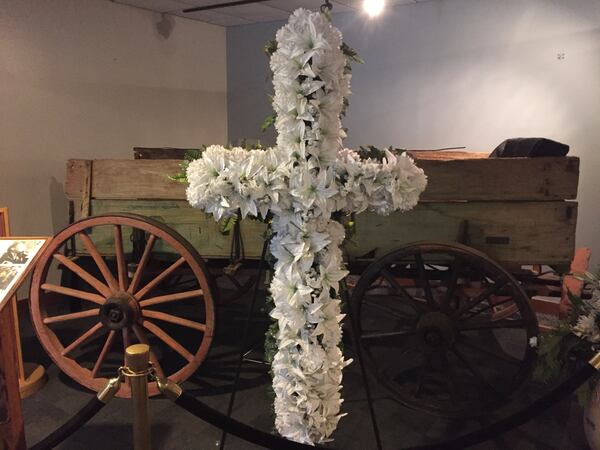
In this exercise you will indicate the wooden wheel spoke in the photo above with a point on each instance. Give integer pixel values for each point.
(489, 307)
(94, 298)
(400, 290)
(389, 366)
(377, 335)
(476, 373)
(81, 339)
(100, 263)
(423, 371)
(453, 281)
(174, 319)
(120, 255)
(451, 378)
(489, 351)
(157, 280)
(499, 283)
(171, 298)
(390, 311)
(172, 343)
(481, 325)
(425, 280)
(141, 335)
(83, 274)
(105, 349)
(72, 316)
(137, 277)
(126, 340)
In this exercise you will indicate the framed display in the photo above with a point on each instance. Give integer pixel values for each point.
(17, 256)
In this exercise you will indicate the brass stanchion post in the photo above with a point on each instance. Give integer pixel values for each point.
(137, 371)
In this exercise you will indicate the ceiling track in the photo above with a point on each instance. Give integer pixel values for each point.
(221, 5)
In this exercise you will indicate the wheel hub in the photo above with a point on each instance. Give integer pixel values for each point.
(436, 330)
(120, 311)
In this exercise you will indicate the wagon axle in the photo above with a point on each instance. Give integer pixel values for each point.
(120, 311)
(436, 330)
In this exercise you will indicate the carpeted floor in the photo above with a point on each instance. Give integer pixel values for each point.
(172, 428)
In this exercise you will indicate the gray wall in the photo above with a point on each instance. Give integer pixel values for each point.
(92, 79)
(457, 72)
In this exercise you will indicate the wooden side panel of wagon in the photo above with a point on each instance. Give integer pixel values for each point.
(518, 210)
(511, 232)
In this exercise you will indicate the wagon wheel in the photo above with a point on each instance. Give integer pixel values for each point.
(127, 298)
(444, 328)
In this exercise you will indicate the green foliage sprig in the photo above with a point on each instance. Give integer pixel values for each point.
(370, 151)
(190, 155)
(351, 54)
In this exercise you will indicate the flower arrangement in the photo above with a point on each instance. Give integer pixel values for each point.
(297, 186)
(576, 338)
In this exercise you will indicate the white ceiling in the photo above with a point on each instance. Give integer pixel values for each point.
(245, 14)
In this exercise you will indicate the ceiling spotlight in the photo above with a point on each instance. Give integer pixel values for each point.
(373, 7)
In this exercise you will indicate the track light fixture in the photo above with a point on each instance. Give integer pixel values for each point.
(373, 7)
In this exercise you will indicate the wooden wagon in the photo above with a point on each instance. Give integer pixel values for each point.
(515, 207)
(479, 222)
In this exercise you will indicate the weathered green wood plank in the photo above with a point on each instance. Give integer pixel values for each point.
(511, 232)
(477, 179)
(198, 228)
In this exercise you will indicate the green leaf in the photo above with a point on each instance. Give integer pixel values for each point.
(179, 177)
(351, 54)
(268, 122)
(193, 154)
(550, 359)
(227, 224)
(190, 155)
(577, 307)
(270, 47)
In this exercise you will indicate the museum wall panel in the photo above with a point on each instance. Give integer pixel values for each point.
(457, 73)
(93, 79)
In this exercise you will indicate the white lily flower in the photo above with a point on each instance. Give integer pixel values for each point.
(331, 275)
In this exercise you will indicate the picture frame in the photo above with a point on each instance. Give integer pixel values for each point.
(17, 258)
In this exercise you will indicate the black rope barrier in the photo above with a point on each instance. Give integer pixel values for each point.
(567, 387)
(239, 429)
(273, 442)
(89, 410)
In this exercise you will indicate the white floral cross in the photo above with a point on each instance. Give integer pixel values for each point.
(300, 183)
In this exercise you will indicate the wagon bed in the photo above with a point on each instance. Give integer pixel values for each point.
(516, 210)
